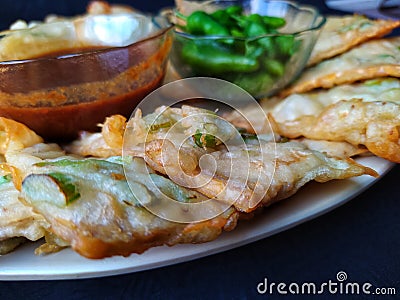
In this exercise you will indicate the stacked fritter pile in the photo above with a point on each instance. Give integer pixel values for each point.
(351, 91)
(362, 106)
(80, 197)
(87, 202)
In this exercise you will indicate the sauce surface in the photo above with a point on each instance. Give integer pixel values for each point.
(48, 122)
(59, 97)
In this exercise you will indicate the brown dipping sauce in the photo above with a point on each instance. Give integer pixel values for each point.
(58, 98)
(63, 123)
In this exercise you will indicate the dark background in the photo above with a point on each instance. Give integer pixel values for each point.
(28, 10)
(361, 237)
(11, 10)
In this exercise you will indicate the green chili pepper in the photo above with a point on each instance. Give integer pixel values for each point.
(253, 82)
(67, 185)
(212, 58)
(234, 10)
(204, 140)
(201, 23)
(156, 127)
(248, 137)
(253, 49)
(255, 18)
(223, 18)
(250, 61)
(267, 45)
(274, 67)
(5, 179)
(241, 21)
(236, 32)
(254, 29)
(285, 44)
(273, 22)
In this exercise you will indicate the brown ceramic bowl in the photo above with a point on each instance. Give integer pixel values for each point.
(59, 94)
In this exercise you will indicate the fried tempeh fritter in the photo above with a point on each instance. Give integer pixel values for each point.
(341, 33)
(90, 206)
(16, 218)
(373, 124)
(364, 114)
(272, 162)
(267, 172)
(18, 222)
(373, 59)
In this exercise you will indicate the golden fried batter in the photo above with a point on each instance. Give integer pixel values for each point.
(16, 218)
(105, 218)
(372, 124)
(341, 33)
(16, 136)
(376, 58)
(318, 115)
(106, 143)
(273, 171)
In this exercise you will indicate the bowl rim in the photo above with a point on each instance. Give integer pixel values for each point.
(159, 32)
(317, 23)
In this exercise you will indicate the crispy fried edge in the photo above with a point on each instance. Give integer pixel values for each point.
(381, 28)
(348, 76)
(388, 148)
(92, 247)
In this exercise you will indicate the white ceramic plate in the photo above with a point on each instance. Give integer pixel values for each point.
(311, 201)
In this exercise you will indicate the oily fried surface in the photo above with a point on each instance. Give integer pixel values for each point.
(321, 115)
(16, 218)
(15, 136)
(313, 102)
(19, 220)
(373, 59)
(333, 148)
(341, 33)
(93, 243)
(99, 227)
(372, 124)
(106, 143)
(104, 222)
(268, 172)
(139, 129)
(165, 154)
(104, 219)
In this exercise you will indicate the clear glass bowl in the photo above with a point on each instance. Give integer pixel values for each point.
(303, 24)
(68, 87)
